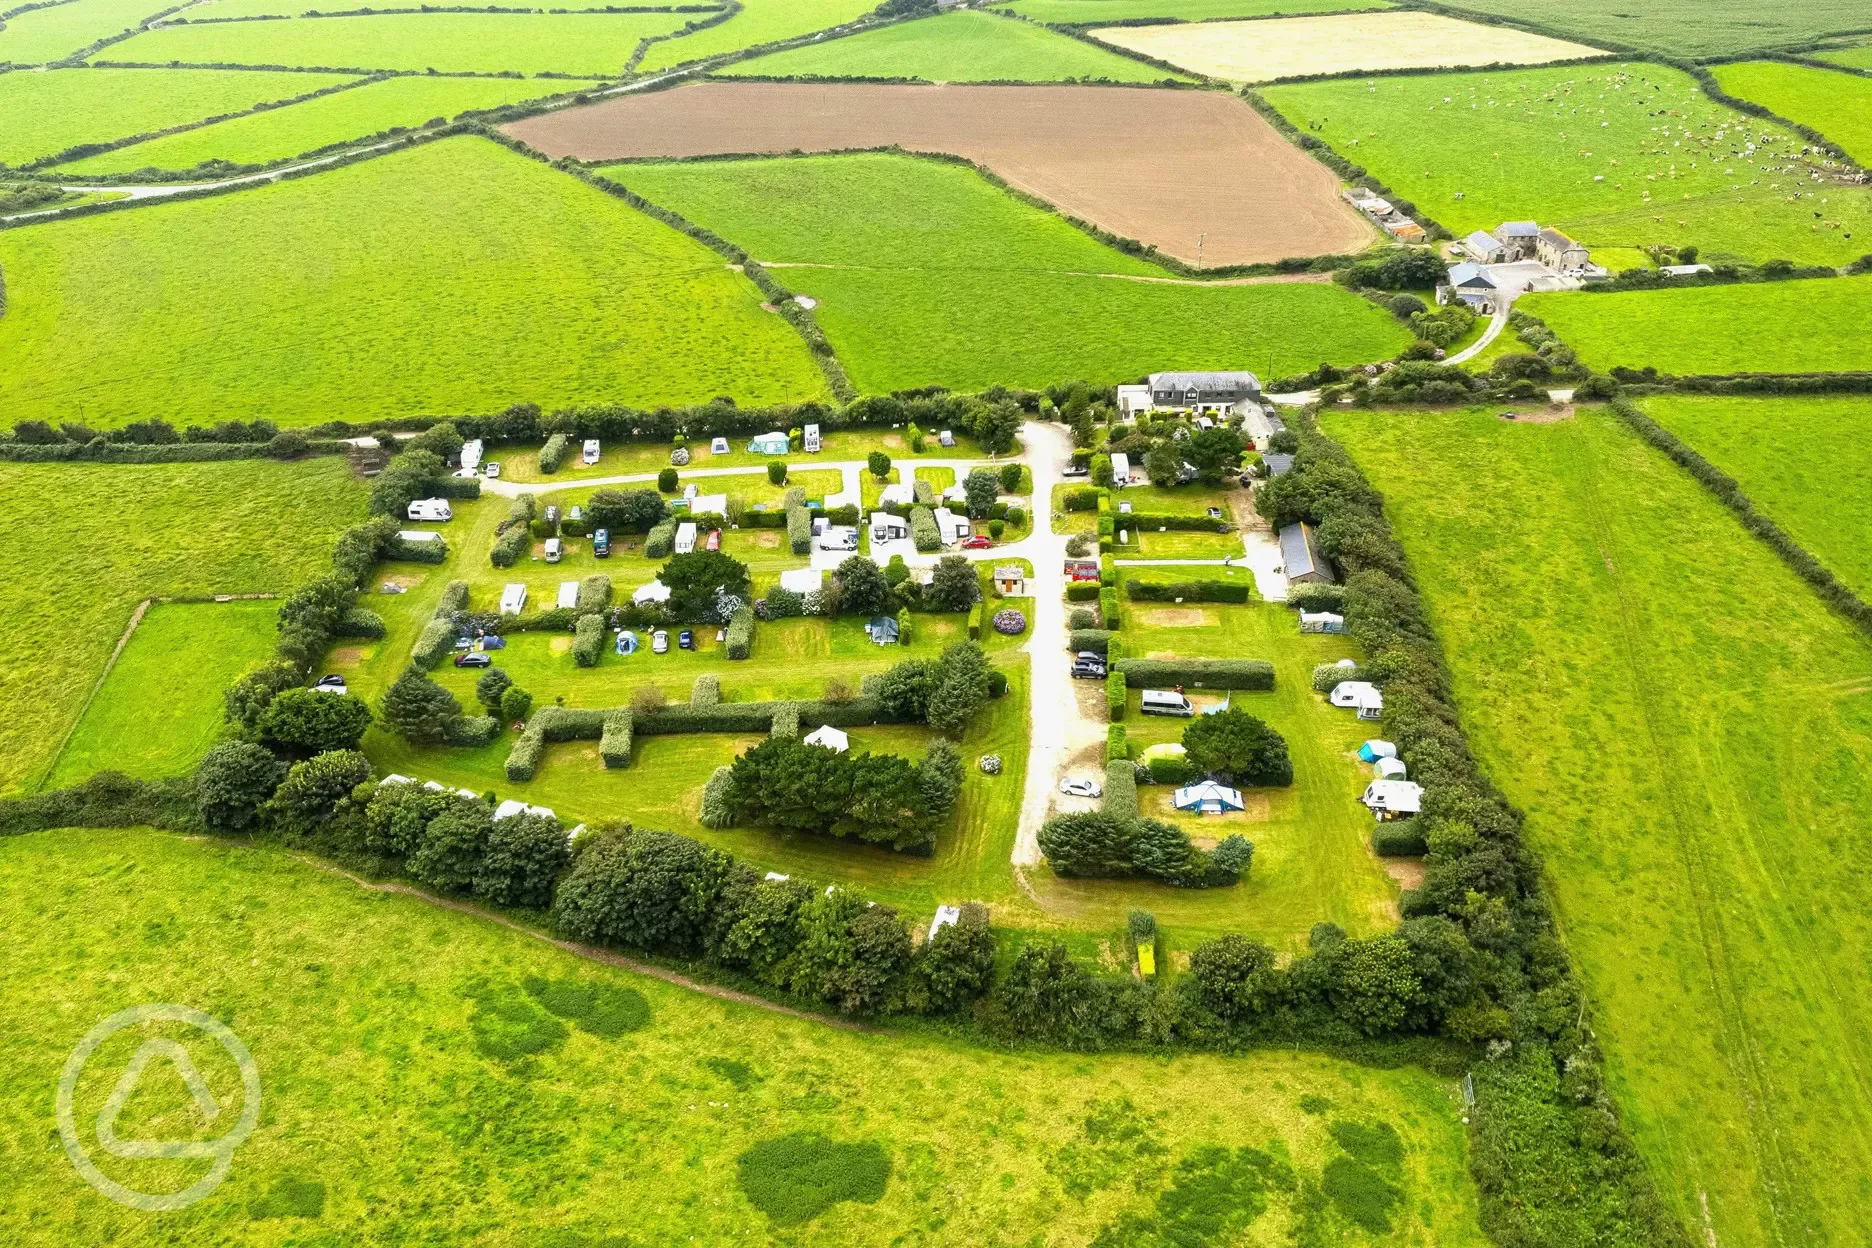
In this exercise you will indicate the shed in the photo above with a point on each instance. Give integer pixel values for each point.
(1121, 468)
(1208, 798)
(1393, 799)
(1321, 622)
(568, 595)
(769, 444)
(1010, 580)
(1359, 695)
(882, 630)
(626, 641)
(655, 591)
(1301, 558)
(946, 916)
(810, 436)
(513, 599)
(685, 537)
(803, 580)
(831, 738)
(718, 446)
(1375, 749)
(1390, 769)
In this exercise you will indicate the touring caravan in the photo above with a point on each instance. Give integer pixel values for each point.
(431, 509)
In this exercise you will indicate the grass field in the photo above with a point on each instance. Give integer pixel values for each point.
(1837, 105)
(1099, 12)
(619, 458)
(595, 44)
(385, 1075)
(1616, 155)
(922, 267)
(85, 543)
(1859, 57)
(280, 134)
(1767, 327)
(1684, 27)
(758, 22)
(1792, 457)
(221, 10)
(1291, 47)
(49, 34)
(1690, 734)
(455, 276)
(44, 114)
(954, 47)
(161, 706)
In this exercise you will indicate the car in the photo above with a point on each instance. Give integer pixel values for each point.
(1088, 669)
(686, 639)
(659, 642)
(1080, 788)
(601, 543)
(714, 540)
(978, 542)
(465, 473)
(473, 658)
(492, 470)
(1075, 472)
(331, 684)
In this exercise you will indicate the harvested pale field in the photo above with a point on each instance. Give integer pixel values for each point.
(1163, 167)
(1293, 47)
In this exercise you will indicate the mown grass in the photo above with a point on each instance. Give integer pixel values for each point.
(1796, 458)
(955, 47)
(1837, 105)
(758, 22)
(47, 113)
(621, 458)
(1768, 327)
(280, 134)
(597, 44)
(452, 277)
(1684, 27)
(1689, 731)
(83, 544)
(160, 709)
(1104, 12)
(42, 35)
(403, 1047)
(1859, 57)
(1617, 155)
(921, 267)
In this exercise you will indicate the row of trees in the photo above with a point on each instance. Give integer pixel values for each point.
(883, 799)
(946, 693)
(1107, 843)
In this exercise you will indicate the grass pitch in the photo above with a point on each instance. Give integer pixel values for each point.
(1099, 12)
(921, 268)
(759, 22)
(476, 1073)
(1766, 327)
(954, 47)
(452, 277)
(1837, 105)
(1617, 155)
(1690, 734)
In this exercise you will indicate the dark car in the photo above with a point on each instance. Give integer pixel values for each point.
(474, 658)
(1088, 666)
(685, 640)
(601, 543)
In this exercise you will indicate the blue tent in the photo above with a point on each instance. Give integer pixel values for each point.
(1375, 749)
(627, 642)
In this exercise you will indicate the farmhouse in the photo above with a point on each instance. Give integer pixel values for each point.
(1010, 581)
(829, 737)
(1518, 237)
(1393, 799)
(768, 444)
(1473, 284)
(1359, 695)
(1301, 557)
(1484, 248)
(1208, 798)
(1201, 392)
(1557, 251)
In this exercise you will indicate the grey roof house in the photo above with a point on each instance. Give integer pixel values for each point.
(1301, 557)
(1199, 390)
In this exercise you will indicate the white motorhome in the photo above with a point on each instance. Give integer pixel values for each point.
(555, 550)
(431, 509)
(1167, 702)
(591, 450)
(685, 537)
(471, 454)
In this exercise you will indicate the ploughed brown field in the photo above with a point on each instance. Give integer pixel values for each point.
(1163, 167)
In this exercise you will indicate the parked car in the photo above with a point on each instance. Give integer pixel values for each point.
(473, 658)
(1088, 666)
(492, 470)
(686, 639)
(1080, 788)
(465, 473)
(1075, 472)
(978, 542)
(331, 684)
(659, 642)
(714, 540)
(601, 543)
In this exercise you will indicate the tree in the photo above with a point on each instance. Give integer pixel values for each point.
(896, 572)
(1235, 977)
(626, 511)
(953, 585)
(698, 581)
(1372, 984)
(850, 953)
(313, 790)
(903, 691)
(311, 721)
(248, 697)
(453, 845)
(515, 704)
(318, 606)
(233, 781)
(959, 688)
(1010, 478)
(885, 806)
(981, 487)
(862, 587)
(939, 778)
(1213, 452)
(956, 965)
(1239, 745)
(776, 471)
(396, 816)
(667, 481)
(418, 708)
(785, 783)
(997, 425)
(488, 690)
(880, 465)
(766, 928)
(1161, 463)
(648, 890)
(1087, 843)
(524, 856)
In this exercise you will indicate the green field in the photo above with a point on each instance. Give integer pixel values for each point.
(43, 114)
(222, 10)
(85, 543)
(1615, 155)
(1859, 57)
(759, 22)
(1690, 733)
(1684, 27)
(1104, 12)
(1765, 327)
(954, 47)
(283, 133)
(1793, 457)
(161, 706)
(49, 34)
(452, 277)
(1837, 105)
(384, 1075)
(928, 274)
(595, 44)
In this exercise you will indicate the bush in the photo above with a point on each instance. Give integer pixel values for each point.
(922, 493)
(553, 454)
(492, 684)
(515, 704)
(509, 546)
(1141, 925)
(997, 683)
(996, 528)
(667, 481)
(1115, 695)
(1401, 839)
(615, 739)
(706, 691)
(1108, 609)
(310, 721)
(1079, 498)
(1095, 640)
(453, 845)
(1187, 591)
(1255, 674)
(661, 539)
(1009, 622)
(1234, 743)
(361, 623)
(1316, 598)
(523, 858)
(776, 471)
(1082, 591)
(975, 622)
(313, 790)
(1117, 747)
(232, 783)
(718, 799)
(1079, 619)
(594, 593)
(588, 638)
(1121, 795)
(923, 531)
(472, 730)
(880, 465)
(1170, 769)
(434, 643)
(798, 525)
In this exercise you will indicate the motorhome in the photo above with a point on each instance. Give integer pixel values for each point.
(1167, 702)
(555, 550)
(591, 451)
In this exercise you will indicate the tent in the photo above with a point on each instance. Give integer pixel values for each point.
(1375, 749)
(803, 580)
(946, 916)
(831, 738)
(1208, 798)
(1391, 769)
(512, 807)
(882, 630)
(655, 591)
(627, 642)
(768, 444)
(718, 446)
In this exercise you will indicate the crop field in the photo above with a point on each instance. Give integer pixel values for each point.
(157, 712)
(222, 10)
(173, 529)
(1291, 47)
(1099, 12)
(1620, 155)
(1122, 158)
(953, 47)
(739, 1124)
(917, 266)
(1858, 57)
(1690, 734)
(39, 36)
(594, 44)
(1837, 105)
(1688, 28)
(283, 133)
(44, 114)
(455, 276)
(1792, 456)
(1768, 327)
(759, 22)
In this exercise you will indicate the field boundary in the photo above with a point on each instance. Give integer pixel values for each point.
(454, 8)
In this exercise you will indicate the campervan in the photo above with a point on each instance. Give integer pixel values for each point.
(555, 550)
(1167, 702)
(431, 509)
(591, 450)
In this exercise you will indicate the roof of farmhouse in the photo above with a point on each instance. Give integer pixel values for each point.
(1204, 381)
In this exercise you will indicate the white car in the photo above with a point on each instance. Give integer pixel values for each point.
(466, 473)
(493, 470)
(659, 642)
(1080, 788)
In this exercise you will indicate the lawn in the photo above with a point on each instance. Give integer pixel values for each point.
(83, 544)
(1616, 155)
(954, 47)
(1792, 456)
(47, 113)
(38, 36)
(1690, 734)
(1768, 327)
(920, 268)
(1687, 28)
(452, 277)
(1101, 12)
(281, 134)
(594, 44)
(160, 708)
(758, 22)
(1837, 105)
(391, 1112)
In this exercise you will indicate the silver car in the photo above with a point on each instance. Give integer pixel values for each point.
(1080, 788)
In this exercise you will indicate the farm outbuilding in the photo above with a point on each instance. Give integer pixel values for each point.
(1202, 391)
(1301, 558)
(1484, 248)
(769, 444)
(829, 737)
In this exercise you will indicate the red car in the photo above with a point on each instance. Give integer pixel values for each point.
(978, 542)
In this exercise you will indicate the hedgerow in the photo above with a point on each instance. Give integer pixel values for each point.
(1255, 674)
(594, 593)
(1109, 613)
(1121, 795)
(1115, 694)
(553, 454)
(706, 691)
(1092, 640)
(660, 540)
(740, 642)
(1187, 591)
(923, 530)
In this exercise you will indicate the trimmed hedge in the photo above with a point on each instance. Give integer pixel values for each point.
(588, 640)
(553, 454)
(1117, 746)
(454, 599)
(1115, 695)
(798, 524)
(1121, 795)
(922, 493)
(551, 723)
(1108, 609)
(741, 634)
(975, 622)
(415, 552)
(510, 545)
(433, 643)
(1170, 769)
(717, 799)
(362, 622)
(1402, 839)
(1188, 591)
(1256, 674)
(923, 529)
(785, 720)
(474, 730)
(1082, 591)
(614, 741)
(1147, 521)
(1080, 498)
(594, 593)
(1317, 598)
(660, 539)
(1097, 640)
(706, 691)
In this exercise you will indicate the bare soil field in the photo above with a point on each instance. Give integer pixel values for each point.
(1163, 167)
(1261, 51)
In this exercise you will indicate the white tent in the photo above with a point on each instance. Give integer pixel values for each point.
(1208, 798)
(718, 446)
(513, 806)
(655, 591)
(831, 738)
(946, 916)
(803, 580)
(1390, 769)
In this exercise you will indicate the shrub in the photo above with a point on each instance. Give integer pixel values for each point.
(706, 691)
(362, 623)
(718, 799)
(776, 471)
(1327, 676)
(232, 783)
(1255, 674)
(1117, 747)
(553, 454)
(1089, 844)
(509, 546)
(1108, 609)
(614, 742)
(922, 493)
(313, 790)
(975, 622)
(1402, 839)
(515, 704)
(1121, 795)
(311, 721)
(1115, 695)
(1096, 640)
(661, 538)
(1079, 498)
(923, 531)
(1016, 516)
(434, 643)
(1187, 591)
(880, 465)
(1170, 769)
(1316, 597)
(588, 638)
(784, 604)
(667, 481)
(492, 684)
(1142, 927)
(594, 593)
(1079, 620)
(1010, 622)
(1082, 591)
(996, 528)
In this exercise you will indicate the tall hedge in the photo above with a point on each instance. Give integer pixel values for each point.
(553, 454)
(1121, 795)
(741, 634)
(923, 530)
(1115, 695)
(798, 526)
(1257, 674)
(614, 738)
(1094, 640)
(1187, 591)
(1109, 612)
(594, 593)
(588, 639)
(706, 691)
(433, 644)
(660, 541)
